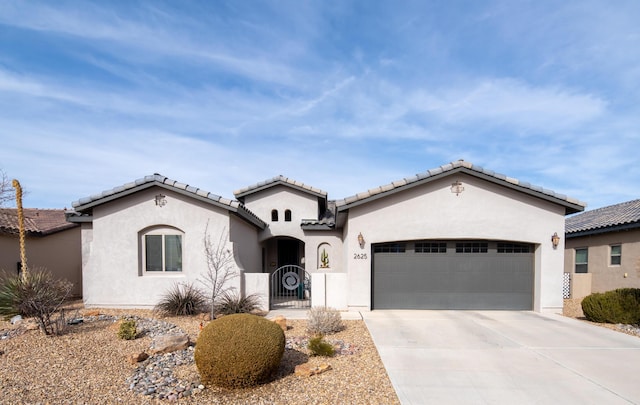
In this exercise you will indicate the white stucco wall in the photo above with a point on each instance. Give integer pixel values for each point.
(281, 198)
(483, 211)
(113, 274)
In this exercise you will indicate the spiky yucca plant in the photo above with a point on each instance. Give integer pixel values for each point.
(233, 303)
(35, 294)
(182, 299)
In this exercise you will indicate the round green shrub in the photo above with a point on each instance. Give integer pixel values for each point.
(239, 350)
(617, 306)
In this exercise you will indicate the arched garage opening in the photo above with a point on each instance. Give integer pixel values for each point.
(459, 274)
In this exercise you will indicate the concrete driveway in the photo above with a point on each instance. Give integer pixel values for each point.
(504, 357)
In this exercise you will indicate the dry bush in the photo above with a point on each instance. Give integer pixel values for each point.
(324, 321)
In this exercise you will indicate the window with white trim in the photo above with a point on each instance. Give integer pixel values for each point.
(615, 255)
(162, 250)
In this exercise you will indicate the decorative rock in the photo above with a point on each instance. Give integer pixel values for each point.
(170, 343)
(282, 321)
(138, 357)
(306, 370)
(16, 319)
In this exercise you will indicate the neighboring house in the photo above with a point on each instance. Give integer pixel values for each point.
(603, 249)
(51, 242)
(455, 237)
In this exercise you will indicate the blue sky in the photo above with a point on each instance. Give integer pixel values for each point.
(340, 95)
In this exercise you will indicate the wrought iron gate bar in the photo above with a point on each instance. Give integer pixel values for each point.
(290, 288)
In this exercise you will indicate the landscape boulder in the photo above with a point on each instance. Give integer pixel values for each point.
(307, 370)
(281, 321)
(138, 357)
(170, 343)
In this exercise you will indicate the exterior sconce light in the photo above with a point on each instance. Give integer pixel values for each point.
(456, 187)
(161, 200)
(555, 239)
(361, 240)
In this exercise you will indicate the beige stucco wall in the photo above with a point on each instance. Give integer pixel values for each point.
(605, 277)
(112, 268)
(483, 211)
(58, 252)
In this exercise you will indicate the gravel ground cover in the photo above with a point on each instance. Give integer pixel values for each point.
(573, 309)
(88, 365)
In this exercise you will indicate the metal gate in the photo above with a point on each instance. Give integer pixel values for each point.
(290, 288)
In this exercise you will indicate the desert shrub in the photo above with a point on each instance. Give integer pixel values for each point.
(182, 299)
(320, 347)
(616, 306)
(127, 329)
(324, 321)
(233, 303)
(239, 350)
(38, 295)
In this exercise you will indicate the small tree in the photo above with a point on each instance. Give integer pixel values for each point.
(6, 194)
(220, 268)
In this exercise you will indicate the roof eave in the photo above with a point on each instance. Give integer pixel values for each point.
(241, 194)
(570, 208)
(601, 230)
(239, 210)
(318, 227)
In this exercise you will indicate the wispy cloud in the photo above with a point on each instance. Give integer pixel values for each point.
(225, 94)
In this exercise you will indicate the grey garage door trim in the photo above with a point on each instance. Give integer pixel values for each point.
(462, 274)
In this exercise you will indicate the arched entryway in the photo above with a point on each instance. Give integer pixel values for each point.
(289, 284)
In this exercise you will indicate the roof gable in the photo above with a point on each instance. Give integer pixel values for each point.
(461, 166)
(37, 222)
(616, 217)
(279, 181)
(85, 205)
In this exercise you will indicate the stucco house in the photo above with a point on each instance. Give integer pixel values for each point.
(51, 242)
(603, 249)
(455, 237)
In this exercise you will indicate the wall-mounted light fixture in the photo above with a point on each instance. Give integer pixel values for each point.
(456, 187)
(161, 200)
(361, 240)
(555, 239)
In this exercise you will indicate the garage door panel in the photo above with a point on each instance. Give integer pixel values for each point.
(409, 280)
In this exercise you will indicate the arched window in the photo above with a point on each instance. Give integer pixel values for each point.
(287, 215)
(274, 215)
(161, 249)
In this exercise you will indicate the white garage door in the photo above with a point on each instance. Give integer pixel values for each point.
(467, 274)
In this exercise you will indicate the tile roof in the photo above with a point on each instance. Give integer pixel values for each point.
(605, 219)
(463, 166)
(37, 222)
(326, 221)
(84, 205)
(279, 180)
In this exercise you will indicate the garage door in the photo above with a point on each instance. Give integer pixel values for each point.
(453, 275)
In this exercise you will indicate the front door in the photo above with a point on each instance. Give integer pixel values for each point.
(288, 252)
